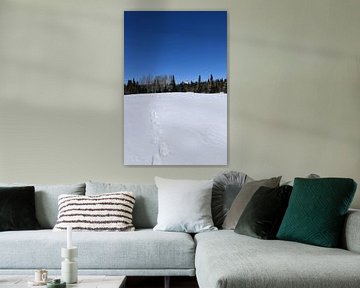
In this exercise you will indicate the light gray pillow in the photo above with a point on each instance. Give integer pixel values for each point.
(243, 198)
(46, 200)
(184, 205)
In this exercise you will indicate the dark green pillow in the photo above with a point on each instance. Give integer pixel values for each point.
(264, 212)
(17, 208)
(316, 211)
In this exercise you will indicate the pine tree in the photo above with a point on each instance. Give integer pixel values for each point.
(210, 88)
(198, 85)
(172, 84)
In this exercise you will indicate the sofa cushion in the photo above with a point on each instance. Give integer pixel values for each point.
(105, 212)
(184, 205)
(146, 205)
(263, 214)
(243, 198)
(46, 200)
(317, 209)
(225, 259)
(137, 250)
(225, 189)
(17, 208)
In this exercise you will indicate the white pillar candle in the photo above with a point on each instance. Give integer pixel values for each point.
(69, 237)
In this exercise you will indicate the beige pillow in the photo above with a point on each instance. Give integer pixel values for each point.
(104, 212)
(243, 198)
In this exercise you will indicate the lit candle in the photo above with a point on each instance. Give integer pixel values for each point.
(69, 237)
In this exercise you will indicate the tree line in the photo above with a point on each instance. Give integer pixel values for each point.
(167, 83)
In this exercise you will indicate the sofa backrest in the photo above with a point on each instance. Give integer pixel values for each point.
(146, 203)
(46, 200)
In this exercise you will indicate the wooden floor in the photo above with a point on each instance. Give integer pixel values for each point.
(158, 282)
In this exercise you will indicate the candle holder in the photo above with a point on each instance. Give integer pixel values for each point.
(69, 271)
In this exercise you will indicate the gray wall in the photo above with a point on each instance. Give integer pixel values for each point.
(294, 92)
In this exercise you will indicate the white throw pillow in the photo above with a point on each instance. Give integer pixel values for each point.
(184, 205)
(104, 212)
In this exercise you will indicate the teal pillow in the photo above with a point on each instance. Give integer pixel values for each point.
(316, 211)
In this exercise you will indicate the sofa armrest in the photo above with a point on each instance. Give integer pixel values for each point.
(351, 233)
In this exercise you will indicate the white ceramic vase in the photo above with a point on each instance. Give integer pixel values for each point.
(69, 270)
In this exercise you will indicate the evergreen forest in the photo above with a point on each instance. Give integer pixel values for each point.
(167, 83)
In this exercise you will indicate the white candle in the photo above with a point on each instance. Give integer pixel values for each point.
(69, 237)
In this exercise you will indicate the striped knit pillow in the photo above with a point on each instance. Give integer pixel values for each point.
(105, 212)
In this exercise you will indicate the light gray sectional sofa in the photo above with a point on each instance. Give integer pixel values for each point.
(219, 259)
(226, 259)
(142, 252)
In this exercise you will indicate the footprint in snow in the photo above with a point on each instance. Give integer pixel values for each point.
(154, 118)
(163, 149)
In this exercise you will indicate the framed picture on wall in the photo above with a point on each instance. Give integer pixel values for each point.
(175, 88)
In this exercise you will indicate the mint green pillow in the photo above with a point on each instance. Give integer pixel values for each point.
(316, 211)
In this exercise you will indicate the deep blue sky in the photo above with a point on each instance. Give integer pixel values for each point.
(183, 43)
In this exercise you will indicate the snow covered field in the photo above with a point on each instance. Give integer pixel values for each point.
(175, 129)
